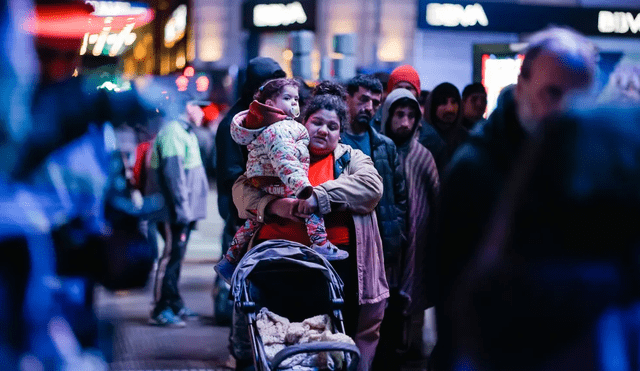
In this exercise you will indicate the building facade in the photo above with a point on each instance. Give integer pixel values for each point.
(387, 34)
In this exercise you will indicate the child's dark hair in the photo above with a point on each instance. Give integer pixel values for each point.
(271, 89)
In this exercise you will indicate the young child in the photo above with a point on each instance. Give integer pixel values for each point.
(278, 163)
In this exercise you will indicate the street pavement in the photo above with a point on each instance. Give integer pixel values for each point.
(200, 345)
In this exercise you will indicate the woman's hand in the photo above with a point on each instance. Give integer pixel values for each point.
(308, 206)
(286, 208)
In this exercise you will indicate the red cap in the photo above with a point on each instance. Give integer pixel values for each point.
(404, 73)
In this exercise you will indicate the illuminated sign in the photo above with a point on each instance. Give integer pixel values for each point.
(512, 17)
(498, 72)
(618, 22)
(279, 15)
(107, 43)
(111, 86)
(176, 26)
(116, 8)
(453, 15)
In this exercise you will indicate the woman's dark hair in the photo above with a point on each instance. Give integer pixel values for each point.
(272, 88)
(330, 88)
(329, 96)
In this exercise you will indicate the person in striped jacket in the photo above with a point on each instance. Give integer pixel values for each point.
(402, 324)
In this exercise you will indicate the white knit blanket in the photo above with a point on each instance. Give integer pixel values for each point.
(278, 332)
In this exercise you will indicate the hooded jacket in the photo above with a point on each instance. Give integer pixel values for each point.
(450, 135)
(278, 150)
(231, 157)
(423, 186)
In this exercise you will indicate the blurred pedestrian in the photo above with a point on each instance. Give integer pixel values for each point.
(181, 178)
(555, 270)
(557, 63)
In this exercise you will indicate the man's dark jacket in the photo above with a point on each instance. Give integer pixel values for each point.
(473, 182)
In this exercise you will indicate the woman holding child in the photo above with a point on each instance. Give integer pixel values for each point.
(346, 189)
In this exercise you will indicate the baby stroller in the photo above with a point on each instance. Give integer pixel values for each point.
(294, 282)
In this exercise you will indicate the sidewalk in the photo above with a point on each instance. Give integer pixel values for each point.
(198, 346)
(205, 243)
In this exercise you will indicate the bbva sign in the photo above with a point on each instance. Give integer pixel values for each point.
(273, 15)
(618, 22)
(453, 15)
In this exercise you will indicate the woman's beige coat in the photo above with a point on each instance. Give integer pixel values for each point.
(357, 189)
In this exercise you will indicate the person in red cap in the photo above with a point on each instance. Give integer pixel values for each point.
(402, 77)
(405, 77)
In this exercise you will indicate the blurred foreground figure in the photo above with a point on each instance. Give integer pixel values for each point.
(555, 283)
(65, 215)
(558, 63)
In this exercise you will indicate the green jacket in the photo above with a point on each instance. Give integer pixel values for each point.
(179, 174)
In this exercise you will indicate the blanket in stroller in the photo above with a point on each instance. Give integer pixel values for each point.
(278, 332)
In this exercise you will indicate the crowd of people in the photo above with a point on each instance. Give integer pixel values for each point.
(416, 198)
(407, 182)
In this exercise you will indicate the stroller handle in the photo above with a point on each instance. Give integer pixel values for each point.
(316, 347)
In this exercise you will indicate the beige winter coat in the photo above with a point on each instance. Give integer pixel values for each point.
(358, 189)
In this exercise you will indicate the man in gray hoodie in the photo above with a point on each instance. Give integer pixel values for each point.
(402, 324)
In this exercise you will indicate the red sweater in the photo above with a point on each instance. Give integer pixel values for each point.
(336, 222)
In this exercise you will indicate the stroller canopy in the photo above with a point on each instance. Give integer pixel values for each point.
(271, 252)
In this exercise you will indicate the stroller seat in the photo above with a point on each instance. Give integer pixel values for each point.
(292, 281)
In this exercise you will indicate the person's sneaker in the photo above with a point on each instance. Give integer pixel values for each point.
(166, 318)
(225, 269)
(187, 314)
(329, 251)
